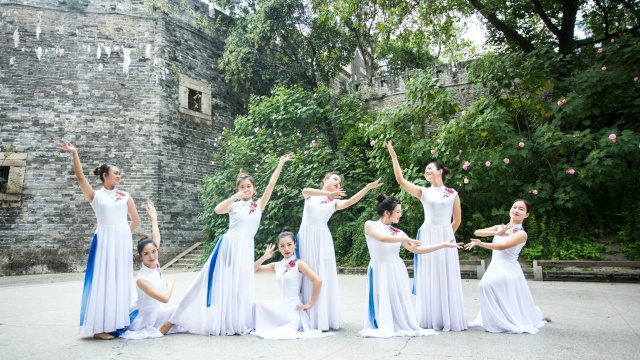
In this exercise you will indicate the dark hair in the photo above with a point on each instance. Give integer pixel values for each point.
(386, 203)
(102, 169)
(440, 166)
(144, 241)
(328, 175)
(286, 232)
(526, 204)
(244, 176)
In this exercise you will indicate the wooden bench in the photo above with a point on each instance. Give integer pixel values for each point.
(539, 264)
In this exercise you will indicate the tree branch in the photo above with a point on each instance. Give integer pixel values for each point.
(512, 35)
(543, 15)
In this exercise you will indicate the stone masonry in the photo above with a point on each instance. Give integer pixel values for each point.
(105, 75)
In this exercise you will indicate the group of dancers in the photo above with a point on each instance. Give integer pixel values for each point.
(220, 301)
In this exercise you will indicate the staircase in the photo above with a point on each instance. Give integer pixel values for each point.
(187, 259)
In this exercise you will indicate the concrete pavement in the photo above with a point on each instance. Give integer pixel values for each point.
(39, 316)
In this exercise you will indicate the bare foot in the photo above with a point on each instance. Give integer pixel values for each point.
(547, 318)
(103, 336)
(165, 327)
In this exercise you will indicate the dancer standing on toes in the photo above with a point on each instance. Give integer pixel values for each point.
(106, 296)
(220, 300)
(286, 318)
(437, 282)
(506, 304)
(315, 246)
(147, 313)
(390, 312)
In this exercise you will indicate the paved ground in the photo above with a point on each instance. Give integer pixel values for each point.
(39, 315)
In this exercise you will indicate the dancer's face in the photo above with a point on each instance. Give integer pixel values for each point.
(518, 211)
(332, 183)
(287, 246)
(112, 177)
(396, 214)
(246, 184)
(431, 172)
(149, 255)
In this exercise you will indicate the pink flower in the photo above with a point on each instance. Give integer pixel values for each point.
(635, 78)
(313, 143)
(599, 50)
(433, 152)
(564, 101)
(506, 160)
(535, 192)
(361, 125)
(460, 151)
(521, 144)
(559, 103)
(612, 137)
(466, 181)
(613, 40)
(457, 159)
(299, 135)
(372, 143)
(465, 166)
(570, 172)
(488, 163)
(439, 141)
(463, 112)
(604, 67)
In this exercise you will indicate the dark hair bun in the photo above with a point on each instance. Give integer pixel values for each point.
(143, 236)
(380, 198)
(97, 171)
(286, 228)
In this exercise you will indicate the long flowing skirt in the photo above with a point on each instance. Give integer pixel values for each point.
(389, 310)
(279, 320)
(316, 249)
(220, 300)
(438, 285)
(506, 304)
(106, 296)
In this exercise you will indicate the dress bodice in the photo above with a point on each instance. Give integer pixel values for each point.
(318, 210)
(510, 253)
(381, 251)
(437, 203)
(155, 278)
(110, 207)
(244, 218)
(289, 278)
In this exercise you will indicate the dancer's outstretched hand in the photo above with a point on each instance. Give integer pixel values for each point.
(392, 152)
(453, 244)
(151, 209)
(268, 252)
(67, 146)
(472, 244)
(243, 194)
(286, 157)
(338, 194)
(375, 184)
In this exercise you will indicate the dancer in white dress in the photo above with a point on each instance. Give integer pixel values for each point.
(106, 296)
(147, 313)
(315, 246)
(286, 318)
(220, 300)
(437, 281)
(389, 311)
(506, 304)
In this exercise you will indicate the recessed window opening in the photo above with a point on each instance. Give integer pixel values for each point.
(4, 178)
(195, 100)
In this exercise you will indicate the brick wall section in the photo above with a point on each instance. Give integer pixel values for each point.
(117, 104)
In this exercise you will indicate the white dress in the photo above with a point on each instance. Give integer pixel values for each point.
(147, 314)
(220, 300)
(389, 310)
(315, 247)
(506, 304)
(279, 319)
(437, 281)
(106, 295)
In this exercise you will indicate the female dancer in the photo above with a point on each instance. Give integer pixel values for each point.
(315, 246)
(147, 314)
(286, 318)
(389, 311)
(220, 300)
(506, 304)
(437, 282)
(106, 296)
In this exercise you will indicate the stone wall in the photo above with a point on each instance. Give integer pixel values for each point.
(105, 79)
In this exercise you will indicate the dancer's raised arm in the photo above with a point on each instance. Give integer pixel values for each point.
(343, 204)
(373, 230)
(272, 181)
(410, 187)
(86, 188)
(268, 253)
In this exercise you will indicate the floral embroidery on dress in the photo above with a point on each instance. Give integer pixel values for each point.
(290, 265)
(159, 270)
(252, 207)
(394, 231)
(327, 200)
(448, 192)
(120, 195)
(513, 231)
